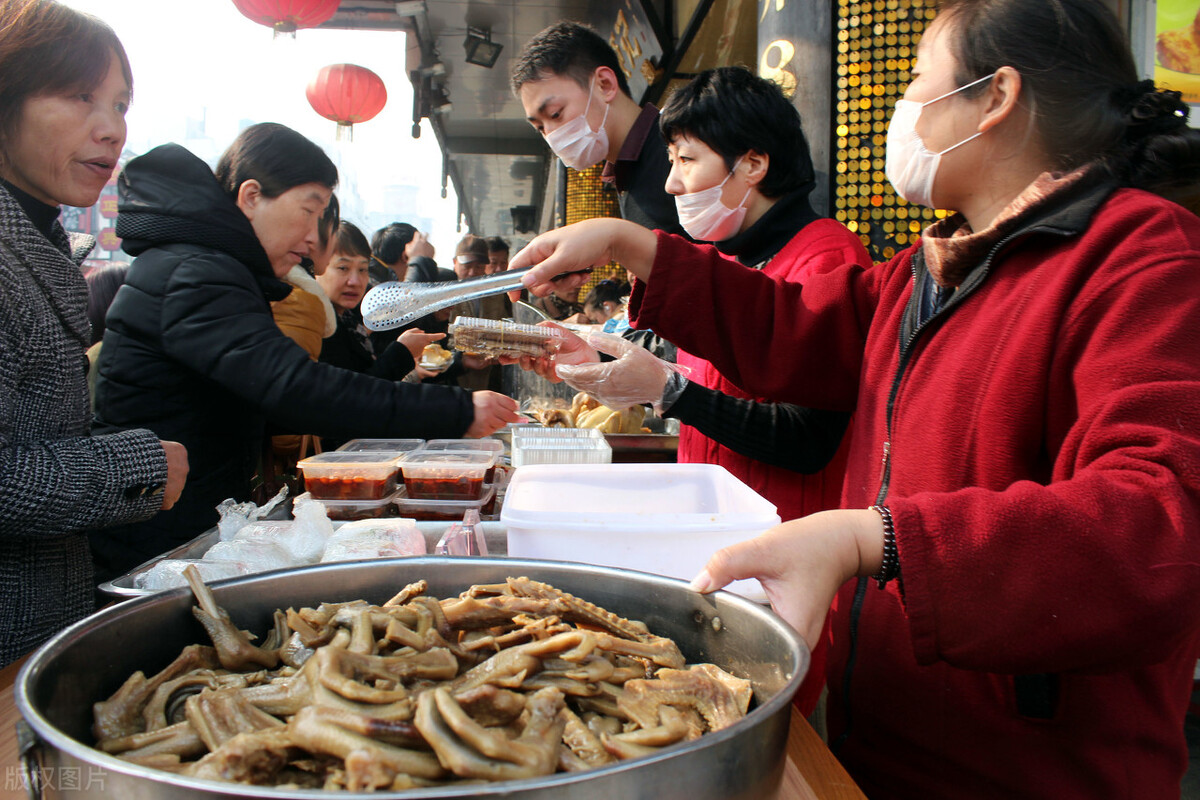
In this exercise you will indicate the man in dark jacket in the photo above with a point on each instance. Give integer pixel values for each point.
(192, 353)
(569, 72)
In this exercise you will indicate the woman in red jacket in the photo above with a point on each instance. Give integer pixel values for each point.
(1024, 473)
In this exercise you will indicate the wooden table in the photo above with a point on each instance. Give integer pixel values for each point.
(812, 773)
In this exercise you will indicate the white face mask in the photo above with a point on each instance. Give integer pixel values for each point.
(911, 167)
(576, 143)
(705, 217)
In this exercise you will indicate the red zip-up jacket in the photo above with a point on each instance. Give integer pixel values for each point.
(818, 247)
(1038, 443)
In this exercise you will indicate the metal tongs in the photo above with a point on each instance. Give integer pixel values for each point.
(392, 304)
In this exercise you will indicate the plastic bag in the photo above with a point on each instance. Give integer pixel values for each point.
(375, 538)
(258, 556)
(234, 516)
(312, 529)
(168, 574)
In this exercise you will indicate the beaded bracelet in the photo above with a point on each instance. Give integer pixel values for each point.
(890, 567)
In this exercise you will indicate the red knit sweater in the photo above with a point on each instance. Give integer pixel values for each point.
(1043, 466)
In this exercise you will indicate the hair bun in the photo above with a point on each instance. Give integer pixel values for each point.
(1150, 111)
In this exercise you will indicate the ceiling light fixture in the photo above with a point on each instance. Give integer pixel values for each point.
(481, 50)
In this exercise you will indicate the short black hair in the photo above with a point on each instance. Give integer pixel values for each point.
(567, 49)
(389, 242)
(734, 111)
(351, 241)
(496, 245)
(277, 157)
(329, 220)
(608, 290)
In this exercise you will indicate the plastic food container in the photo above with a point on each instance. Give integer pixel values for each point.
(662, 518)
(457, 445)
(446, 475)
(360, 509)
(449, 510)
(342, 475)
(561, 450)
(381, 446)
(490, 337)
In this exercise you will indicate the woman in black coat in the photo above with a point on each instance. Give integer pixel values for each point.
(192, 351)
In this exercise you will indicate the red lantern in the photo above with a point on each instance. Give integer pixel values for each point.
(346, 94)
(287, 16)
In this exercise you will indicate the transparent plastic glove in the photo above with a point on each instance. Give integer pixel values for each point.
(636, 377)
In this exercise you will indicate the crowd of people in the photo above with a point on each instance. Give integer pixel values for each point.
(986, 449)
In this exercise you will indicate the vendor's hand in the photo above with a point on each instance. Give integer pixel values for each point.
(571, 350)
(415, 340)
(177, 471)
(423, 373)
(579, 247)
(636, 377)
(492, 412)
(802, 563)
(419, 246)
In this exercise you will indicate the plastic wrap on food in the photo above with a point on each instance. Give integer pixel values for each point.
(233, 516)
(168, 574)
(375, 538)
(311, 531)
(491, 337)
(258, 556)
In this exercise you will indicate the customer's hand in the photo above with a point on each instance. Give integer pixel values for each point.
(177, 471)
(636, 377)
(419, 246)
(416, 340)
(492, 412)
(477, 361)
(802, 563)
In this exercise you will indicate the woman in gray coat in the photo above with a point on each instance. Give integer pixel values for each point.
(64, 87)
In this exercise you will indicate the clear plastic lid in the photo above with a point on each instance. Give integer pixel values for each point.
(491, 337)
(447, 461)
(342, 461)
(549, 450)
(486, 445)
(538, 432)
(380, 446)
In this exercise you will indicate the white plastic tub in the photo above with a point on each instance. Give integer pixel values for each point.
(662, 518)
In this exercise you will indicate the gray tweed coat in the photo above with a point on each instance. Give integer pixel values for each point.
(55, 480)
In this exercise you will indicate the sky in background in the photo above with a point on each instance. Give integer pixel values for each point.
(200, 66)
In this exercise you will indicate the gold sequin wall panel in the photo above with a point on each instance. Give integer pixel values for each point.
(588, 197)
(876, 48)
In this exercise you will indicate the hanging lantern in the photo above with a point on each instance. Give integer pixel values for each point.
(346, 94)
(288, 16)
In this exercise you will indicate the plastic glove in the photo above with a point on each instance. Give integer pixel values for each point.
(636, 377)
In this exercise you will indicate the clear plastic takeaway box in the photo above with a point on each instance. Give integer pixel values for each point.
(662, 518)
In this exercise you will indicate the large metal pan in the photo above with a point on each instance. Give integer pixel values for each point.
(88, 661)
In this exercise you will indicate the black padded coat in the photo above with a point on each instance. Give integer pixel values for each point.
(193, 353)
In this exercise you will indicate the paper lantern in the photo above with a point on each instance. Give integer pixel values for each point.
(346, 94)
(288, 16)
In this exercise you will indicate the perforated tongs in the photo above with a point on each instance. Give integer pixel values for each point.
(390, 305)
